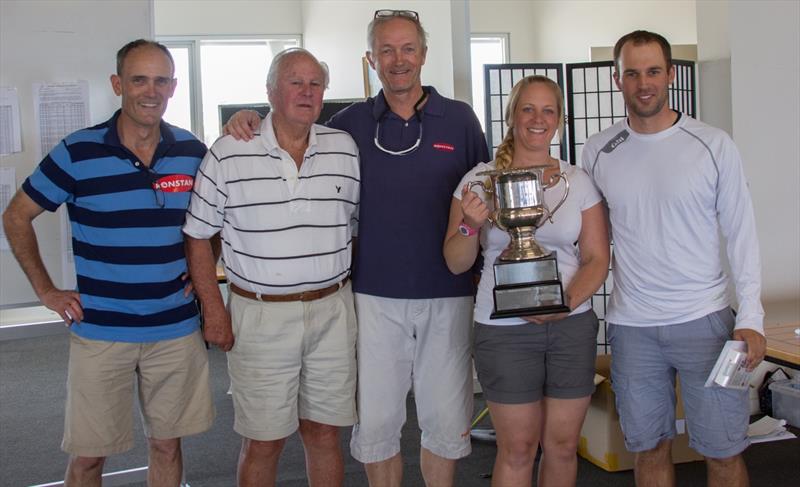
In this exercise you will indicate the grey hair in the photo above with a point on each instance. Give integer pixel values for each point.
(423, 36)
(281, 58)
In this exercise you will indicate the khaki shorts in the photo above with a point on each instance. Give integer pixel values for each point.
(290, 361)
(174, 392)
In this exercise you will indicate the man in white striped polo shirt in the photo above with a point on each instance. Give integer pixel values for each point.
(286, 205)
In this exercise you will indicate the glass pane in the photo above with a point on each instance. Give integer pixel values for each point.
(591, 80)
(235, 72)
(484, 50)
(604, 78)
(179, 107)
(496, 109)
(505, 81)
(577, 80)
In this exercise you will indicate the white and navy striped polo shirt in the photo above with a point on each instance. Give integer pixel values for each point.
(284, 230)
(126, 229)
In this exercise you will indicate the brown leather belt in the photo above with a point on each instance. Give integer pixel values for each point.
(304, 296)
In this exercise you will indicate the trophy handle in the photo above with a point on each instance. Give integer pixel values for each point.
(486, 189)
(563, 177)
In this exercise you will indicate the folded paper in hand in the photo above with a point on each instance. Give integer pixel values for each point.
(730, 371)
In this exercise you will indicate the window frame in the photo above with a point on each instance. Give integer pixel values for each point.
(505, 38)
(193, 43)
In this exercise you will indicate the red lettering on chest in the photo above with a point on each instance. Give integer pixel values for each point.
(176, 183)
(444, 146)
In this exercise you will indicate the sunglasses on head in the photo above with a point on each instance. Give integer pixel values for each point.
(379, 14)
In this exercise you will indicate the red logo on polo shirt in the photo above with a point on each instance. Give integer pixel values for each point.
(176, 183)
(444, 146)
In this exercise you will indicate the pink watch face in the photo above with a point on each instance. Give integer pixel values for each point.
(466, 230)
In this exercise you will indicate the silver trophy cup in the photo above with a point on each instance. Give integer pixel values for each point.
(525, 273)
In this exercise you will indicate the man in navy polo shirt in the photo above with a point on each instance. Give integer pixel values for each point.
(414, 316)
(126, 184)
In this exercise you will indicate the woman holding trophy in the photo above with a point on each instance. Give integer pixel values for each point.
(536, 367)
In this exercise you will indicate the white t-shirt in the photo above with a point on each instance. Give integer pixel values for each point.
(561, 235)
(675, 198)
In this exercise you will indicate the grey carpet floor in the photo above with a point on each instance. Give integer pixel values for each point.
(32, 390)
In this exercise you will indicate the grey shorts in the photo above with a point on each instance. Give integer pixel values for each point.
(523, 363)
(643, 367)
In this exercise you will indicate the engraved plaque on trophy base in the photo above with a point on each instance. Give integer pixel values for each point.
(529, 287)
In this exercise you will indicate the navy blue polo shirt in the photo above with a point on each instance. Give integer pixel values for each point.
(405, 200)
(126, 229)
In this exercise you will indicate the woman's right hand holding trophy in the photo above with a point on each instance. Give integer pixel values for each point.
(473, 208)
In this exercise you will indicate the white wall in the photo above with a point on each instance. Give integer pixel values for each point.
(714, 63)
(564, 30)
(765, 71)
(241, 17)
(335, 31)
(51, 41)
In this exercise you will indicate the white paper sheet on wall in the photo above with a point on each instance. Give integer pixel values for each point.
(10, 133)
(59, 109)
(8, 186)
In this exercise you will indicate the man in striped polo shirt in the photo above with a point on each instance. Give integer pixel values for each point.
(286, 205)
(126, 184)
(414, 315)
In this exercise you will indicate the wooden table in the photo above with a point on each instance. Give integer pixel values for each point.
(783, 344)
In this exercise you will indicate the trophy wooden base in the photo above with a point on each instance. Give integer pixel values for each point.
(528, 287)
(528, 299)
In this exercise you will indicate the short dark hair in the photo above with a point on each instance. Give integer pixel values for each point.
(639, 37)
(127, 48)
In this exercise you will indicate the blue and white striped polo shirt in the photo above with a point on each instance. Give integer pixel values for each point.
(126, 223)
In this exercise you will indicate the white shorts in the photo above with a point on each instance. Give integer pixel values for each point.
(290, 361)
(424, 343)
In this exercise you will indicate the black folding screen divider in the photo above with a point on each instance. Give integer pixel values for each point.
(593, 103)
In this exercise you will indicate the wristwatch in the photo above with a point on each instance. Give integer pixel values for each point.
(466, 230)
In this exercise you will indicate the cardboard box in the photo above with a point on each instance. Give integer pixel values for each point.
(601, 439)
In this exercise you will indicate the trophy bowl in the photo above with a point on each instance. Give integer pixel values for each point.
(519, 208)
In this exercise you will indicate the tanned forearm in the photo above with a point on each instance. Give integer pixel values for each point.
(18, 225)
(201, 257)
(459, 251)
(216, 249)
(587, 280)
(595, 255)
(217, 328)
